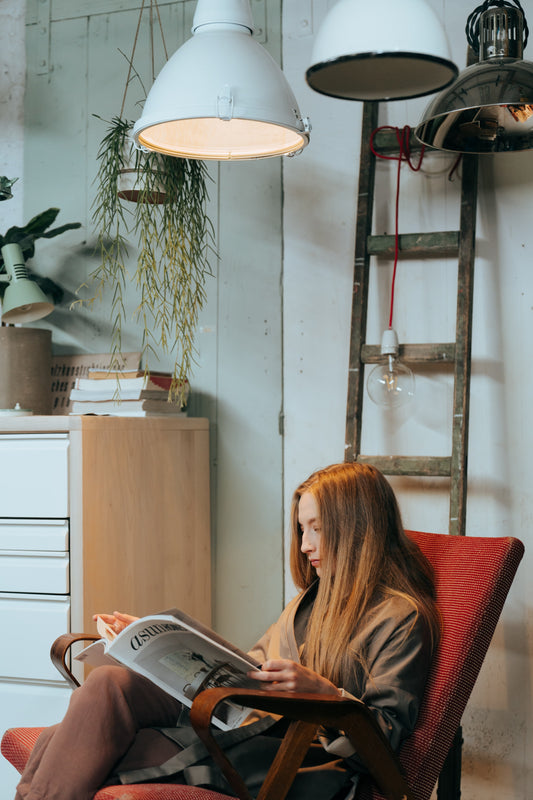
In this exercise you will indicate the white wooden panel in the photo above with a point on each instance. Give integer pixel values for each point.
(27, 534)
(34, 572)
(31, 624)
(34, 476)
(237, 382)
(27, 705)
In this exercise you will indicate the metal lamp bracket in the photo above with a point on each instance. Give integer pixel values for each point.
(225, 104)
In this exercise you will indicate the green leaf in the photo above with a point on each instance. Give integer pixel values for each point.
(38, 224)
(62, 228)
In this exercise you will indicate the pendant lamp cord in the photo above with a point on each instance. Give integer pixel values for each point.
(153, 4)
(472, 23)
(403, 137)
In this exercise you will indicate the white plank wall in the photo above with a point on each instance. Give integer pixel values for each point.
(237, 383)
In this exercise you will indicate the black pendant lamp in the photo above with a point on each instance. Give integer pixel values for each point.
(489, 107)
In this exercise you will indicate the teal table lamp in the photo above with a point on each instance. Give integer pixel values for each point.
(23, 300)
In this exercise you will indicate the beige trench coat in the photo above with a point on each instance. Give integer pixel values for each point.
(397, 652)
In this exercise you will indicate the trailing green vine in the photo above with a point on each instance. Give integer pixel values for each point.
(174, 237)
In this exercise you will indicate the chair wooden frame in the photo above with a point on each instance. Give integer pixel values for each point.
(307, 713)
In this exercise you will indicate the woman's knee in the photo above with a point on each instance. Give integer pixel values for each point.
(108, 675)
(102, 685)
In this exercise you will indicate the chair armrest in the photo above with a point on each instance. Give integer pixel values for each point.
(60, 649)
(307, 712)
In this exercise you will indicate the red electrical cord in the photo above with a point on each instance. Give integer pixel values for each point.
(404, 142)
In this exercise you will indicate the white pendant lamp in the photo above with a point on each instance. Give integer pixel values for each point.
(221, 95)
(380, 50)
(489, 108)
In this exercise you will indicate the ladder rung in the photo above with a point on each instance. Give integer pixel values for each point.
(436, 243)
(386, 142)
(423, 466)
(413, 353)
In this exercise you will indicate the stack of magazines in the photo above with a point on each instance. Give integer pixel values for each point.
(128, 393)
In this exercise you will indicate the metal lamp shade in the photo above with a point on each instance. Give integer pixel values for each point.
(489, 108)
(380, 50)
(23, 300)
(221, 95)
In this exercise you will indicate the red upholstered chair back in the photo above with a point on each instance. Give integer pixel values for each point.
(473, 576)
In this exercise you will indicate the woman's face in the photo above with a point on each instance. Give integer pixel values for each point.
(311, 529)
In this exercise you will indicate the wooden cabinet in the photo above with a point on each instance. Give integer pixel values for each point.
(96, 514)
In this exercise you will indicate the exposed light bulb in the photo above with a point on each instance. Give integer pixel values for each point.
(390, 383)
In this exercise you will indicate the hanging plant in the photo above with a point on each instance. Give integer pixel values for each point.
(169, 222)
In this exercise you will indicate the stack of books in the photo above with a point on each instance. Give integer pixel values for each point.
(128, 393)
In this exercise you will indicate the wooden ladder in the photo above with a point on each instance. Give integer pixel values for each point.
(459, 243)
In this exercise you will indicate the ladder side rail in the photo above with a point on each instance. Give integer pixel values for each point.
(463, 336)
(363, 228)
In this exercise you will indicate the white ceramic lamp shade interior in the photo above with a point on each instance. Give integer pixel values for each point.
(221, 95)
(380, 50)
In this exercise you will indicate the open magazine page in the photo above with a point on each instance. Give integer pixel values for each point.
(180, 658)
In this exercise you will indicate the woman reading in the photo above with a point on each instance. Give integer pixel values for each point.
(364, 625)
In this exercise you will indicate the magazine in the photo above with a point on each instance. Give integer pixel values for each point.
(181, 656)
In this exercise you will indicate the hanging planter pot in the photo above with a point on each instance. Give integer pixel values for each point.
(137, 183)
(131, 187)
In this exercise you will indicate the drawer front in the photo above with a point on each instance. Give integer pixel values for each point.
(30, 625)
(34, 475)
(27, 534)
(27, 705)
(40, 573)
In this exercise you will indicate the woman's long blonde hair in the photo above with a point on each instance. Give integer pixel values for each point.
(365, 558)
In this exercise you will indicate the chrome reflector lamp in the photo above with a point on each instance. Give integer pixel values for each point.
(489, 108)
(221, 96)
(380, 50)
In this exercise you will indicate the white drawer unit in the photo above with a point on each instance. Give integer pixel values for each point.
(96, 514)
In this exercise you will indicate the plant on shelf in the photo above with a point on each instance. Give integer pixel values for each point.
(37, 228)
(163, 208)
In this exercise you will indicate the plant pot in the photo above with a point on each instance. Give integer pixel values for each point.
(138, 185)
(25, 369)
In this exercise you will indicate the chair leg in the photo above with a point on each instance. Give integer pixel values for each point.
(449, 786)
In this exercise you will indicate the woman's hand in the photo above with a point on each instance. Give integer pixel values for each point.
(116, 621)
(283, 675)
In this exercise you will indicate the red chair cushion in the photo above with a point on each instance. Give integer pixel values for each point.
(17, 744)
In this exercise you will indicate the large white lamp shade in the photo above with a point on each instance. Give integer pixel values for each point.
(221, 95)
(380, 50)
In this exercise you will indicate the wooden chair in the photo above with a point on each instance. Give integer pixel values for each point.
(473, 577)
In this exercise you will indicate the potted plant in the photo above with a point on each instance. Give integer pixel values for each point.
(164, 211)
(25, 353)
